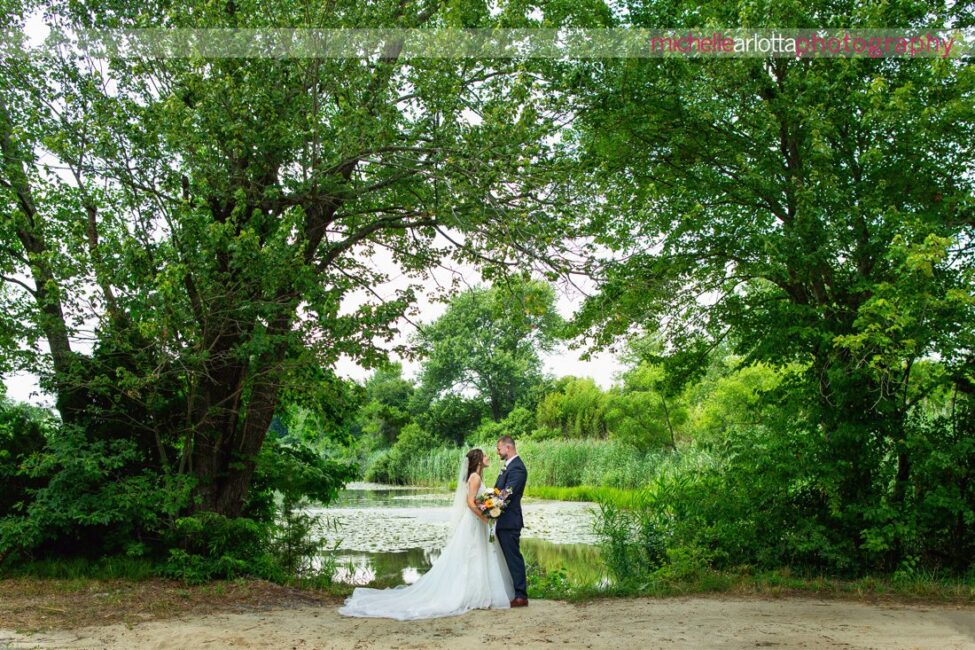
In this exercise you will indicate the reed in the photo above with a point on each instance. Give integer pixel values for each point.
(552, 464)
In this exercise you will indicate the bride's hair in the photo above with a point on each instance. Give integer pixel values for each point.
(474, 458)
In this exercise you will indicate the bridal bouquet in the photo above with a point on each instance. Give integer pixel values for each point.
(492, 503)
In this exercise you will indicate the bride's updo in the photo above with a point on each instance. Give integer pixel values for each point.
(474, 458)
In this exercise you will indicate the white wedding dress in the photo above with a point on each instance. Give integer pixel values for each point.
(469, 574)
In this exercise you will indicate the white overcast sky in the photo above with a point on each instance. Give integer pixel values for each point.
(602, 367)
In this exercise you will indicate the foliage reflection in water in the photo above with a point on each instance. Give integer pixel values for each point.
(580, 562)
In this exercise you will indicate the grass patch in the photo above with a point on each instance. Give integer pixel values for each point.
(623, 498)
(72, 575)
(781, 584)
(80, 569)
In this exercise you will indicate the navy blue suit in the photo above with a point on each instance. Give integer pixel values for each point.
(510, 523)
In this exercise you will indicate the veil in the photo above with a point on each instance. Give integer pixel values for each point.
(460, 496)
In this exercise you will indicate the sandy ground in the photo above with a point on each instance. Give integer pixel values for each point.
(693, 622)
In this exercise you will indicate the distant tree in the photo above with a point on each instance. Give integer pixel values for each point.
(737, 396)
(577, 408)
(486, 346)
(641, 411)
(451, 416)
(386, 410)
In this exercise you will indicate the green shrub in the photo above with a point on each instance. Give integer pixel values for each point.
(23, 433)
(95, 499)
(632, 545)
(417, 458)
(206, 546)
(298, 549)
(940, 504)
(518, 424)
(774, 498)
(382, 467)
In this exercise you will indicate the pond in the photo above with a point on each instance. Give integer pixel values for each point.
(390, 535)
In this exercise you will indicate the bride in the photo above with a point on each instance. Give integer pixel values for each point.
(469, 574)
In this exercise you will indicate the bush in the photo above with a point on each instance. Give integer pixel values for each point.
(206, 546)
(762, 500)
(94, 498)
(295, 472)
(774, 498)
(297, 547)
(68, 496)
(632, 545)
(382, 467)
(279, 541)
(518, 424)
(23, 433)
(417, 458)
(414, 441)
(937, 520)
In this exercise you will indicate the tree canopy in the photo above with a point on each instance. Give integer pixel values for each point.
(810, 211)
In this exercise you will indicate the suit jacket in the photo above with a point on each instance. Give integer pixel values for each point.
(514, 478)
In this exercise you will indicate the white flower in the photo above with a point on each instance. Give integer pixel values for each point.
(495, 512)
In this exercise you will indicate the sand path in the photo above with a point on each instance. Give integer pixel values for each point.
(691, 622)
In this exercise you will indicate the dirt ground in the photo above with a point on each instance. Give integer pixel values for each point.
(686, 622)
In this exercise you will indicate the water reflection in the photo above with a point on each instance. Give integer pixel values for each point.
(386, 535)
(579, 561)
(390, 568)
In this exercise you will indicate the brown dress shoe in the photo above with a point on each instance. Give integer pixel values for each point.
(519, 602)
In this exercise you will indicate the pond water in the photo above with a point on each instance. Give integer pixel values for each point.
(390, 535)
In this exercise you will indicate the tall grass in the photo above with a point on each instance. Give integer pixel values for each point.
(436, 467)
(106, 568)
(603, 464)
(582, 464)
(619, 497)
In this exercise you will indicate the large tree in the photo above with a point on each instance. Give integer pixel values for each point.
(178, 236)
(819, 211)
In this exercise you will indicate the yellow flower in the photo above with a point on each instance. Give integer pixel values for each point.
(489, 503)
(497, 491)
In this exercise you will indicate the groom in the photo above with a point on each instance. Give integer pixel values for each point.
(508, 529)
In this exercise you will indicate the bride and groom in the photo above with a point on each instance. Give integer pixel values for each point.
(472, 572)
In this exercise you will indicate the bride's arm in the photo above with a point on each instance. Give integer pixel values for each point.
(473, 485)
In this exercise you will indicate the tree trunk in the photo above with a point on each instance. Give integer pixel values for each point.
(236, 407)
(47, 293)
(224, 467)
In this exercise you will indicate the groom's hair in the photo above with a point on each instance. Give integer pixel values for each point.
(507, 440)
